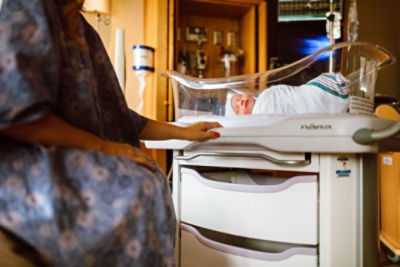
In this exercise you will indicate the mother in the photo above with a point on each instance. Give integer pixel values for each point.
(74, 183)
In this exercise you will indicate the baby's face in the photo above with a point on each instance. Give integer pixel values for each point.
(242, 104)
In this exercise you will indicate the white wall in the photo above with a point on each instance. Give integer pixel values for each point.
(128, 15)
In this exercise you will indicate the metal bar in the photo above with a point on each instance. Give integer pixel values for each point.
(304, 162)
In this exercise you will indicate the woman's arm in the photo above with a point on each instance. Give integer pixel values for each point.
(53, 131)
(155, 130)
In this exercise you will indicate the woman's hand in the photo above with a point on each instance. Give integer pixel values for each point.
(156, 130)
(199, 131)
(133, 153)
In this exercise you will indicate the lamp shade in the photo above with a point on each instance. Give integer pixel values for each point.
(99, 6)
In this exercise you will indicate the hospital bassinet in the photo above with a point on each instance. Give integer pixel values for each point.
(332, 192)
(358, 62)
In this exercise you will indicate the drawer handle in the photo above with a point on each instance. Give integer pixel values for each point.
(248, 253)
(300, 162)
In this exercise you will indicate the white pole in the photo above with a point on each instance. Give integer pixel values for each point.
(120, 58)
(331, 36)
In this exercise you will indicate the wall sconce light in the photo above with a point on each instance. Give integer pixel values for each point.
(101, 7)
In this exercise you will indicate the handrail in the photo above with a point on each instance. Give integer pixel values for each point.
(304, 162)
(367, 136)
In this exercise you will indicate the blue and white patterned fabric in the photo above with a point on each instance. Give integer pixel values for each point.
(76, 208)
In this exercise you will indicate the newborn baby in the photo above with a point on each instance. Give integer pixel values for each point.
(326, 93)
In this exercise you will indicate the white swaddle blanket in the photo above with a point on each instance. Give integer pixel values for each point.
(327, 93)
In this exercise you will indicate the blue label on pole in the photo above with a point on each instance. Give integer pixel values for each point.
(342, 173)
(142, 68)
(143, 47)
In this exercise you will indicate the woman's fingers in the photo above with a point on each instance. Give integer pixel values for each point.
(205, 125)
(201, 136)
(139, 153)
(145, 162)
(142, 158)
(130, 152)
(210, 135)
(199, 131)
(211, 125)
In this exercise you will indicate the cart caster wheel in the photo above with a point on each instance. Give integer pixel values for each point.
(393, 258)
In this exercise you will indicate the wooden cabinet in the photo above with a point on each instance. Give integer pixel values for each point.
(241, 26)
(165, 22)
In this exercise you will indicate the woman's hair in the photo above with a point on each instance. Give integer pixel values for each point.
(70, 13)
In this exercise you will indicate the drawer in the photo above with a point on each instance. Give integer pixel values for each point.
(283, 210)
(198, 250)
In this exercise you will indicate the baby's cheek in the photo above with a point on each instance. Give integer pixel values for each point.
(235, 108)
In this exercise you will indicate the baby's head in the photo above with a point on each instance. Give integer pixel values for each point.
(240, 104)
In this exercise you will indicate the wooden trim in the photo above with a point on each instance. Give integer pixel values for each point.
(156, 35)
(228, 2)
(262, 37)
(345, 6)
(248, 41)
(172, 25)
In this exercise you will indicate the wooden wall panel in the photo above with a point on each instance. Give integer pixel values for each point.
(172, 25)
(248, 42)
(156, 35)
(380, 24)
(262, 42)
(262, 36)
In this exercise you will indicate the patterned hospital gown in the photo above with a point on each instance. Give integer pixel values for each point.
(76, 208)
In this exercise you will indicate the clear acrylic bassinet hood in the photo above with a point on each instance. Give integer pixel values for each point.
(358, 62)
(356, 131)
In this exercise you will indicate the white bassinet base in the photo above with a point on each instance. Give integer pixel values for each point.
(325, 133)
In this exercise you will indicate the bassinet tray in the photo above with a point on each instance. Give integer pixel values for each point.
(330, 133)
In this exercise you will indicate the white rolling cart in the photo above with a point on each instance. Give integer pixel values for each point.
(278, 190)
(324, 215)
